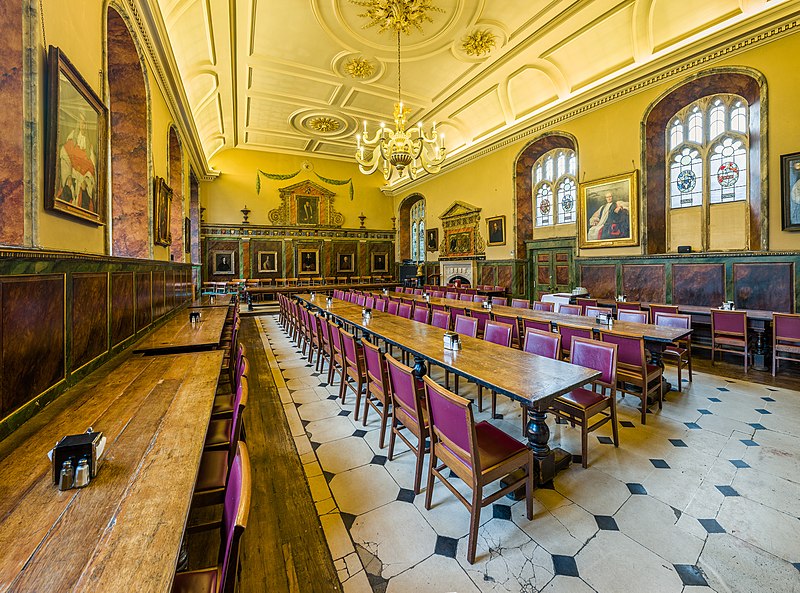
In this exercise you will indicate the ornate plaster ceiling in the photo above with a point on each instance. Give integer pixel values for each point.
(299, 76)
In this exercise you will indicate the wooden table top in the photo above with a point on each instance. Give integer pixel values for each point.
(522, 376)
(220, 300)
(179, 335)
(649, 331)
(124, 530)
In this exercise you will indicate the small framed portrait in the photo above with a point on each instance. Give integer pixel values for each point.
(308, 210)
(380, 262)
(162, 198)
(75, 150)
(222, 262)
(497, 230)
(432, 240)
(608, 212)
(345, 263)
(267, 261)
(309, 261)
(790, 191)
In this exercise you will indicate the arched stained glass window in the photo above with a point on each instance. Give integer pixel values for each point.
(418, 231)
(414, 241)
(686, 177)
(739, 117)
(695, 125)
(675, 134)
(728, 171)
(555, 187)
(717, 119)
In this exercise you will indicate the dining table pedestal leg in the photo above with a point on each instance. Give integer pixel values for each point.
(655, 350)
(761, 350)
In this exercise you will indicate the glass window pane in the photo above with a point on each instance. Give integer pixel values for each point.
(717, 119)
(696, 126)
(544, 205)
(561, 165)
(739, 117)
(548, 168)
(567, 194)
(686, 179)
(675, 134)
(728, 172)
(573, 164)
(422, 240)
(414, 241)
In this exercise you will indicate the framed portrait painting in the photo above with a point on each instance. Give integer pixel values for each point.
(162, 203)
(432, 240)
(75, 153)
(608, 211)
(790, 192)
(222, 262)
(267, 261)
(309, 261)
(380, 262)
(308, 210)
(497, 230)
(345, 263)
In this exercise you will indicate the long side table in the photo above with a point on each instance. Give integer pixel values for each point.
(178, 334)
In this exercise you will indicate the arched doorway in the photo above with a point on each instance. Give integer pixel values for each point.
(176, 250)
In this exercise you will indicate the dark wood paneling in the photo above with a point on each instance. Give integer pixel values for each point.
(259, 245)
(379, 247)
(213, 245)
(600, 281)
(89, 317)
(646, 283)
(159, 286)
(122, 309)
(344, 248)
(698, 284)
(33, 338)
(144, 300)
(768, 286)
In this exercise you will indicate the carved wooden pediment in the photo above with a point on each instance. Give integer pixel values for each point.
(461, 234)
(306, 204)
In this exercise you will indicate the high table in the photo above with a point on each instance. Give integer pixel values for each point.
(219, 300)
(123, 531)
(178, 334)
(532, 380)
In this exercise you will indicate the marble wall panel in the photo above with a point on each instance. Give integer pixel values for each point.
(506, 277)
(144, 300)
(214, 245)
(122, 306)
(599, 280)
(698, 284)
(767, 287)
(175, 183)
(645, 283)
(12, 198)
(32, 318)
(194, 216)
(488, 274)
(89, 317)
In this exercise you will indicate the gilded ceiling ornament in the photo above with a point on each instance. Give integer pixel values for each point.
(359, 68)
(397, 15)
(324, 124)
(479, 42)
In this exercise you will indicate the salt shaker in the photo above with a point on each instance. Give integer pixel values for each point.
(67, 475)
(82, 473)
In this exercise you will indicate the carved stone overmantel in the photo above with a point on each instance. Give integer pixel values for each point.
(461, 237)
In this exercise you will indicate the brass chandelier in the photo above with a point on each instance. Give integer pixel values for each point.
(400, 149)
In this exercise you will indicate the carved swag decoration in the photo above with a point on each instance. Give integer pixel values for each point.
(306, 204)
(461, 234)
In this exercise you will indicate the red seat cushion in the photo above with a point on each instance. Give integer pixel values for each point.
(582, 398)
(219, 432)
(494, 446)
(213, 471)
(197, 581)
(222, 404)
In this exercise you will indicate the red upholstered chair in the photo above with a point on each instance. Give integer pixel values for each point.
(681, 352)
(313, 336)
(633, 370)
(467, 326)
(594, 311)
(355, 372)
(404, 311)
(224, 402)
(465, 297)
(437, 294)
(496, 333)
(324, 344)
(380, 304)
(785, 338)
(729, 334)
(581, 405)
(513, 322)
(391, 307)
(421, 313)
(634, 316)
(471, 291)
(435, 307)
(440, 319)
(569, 309)
(520, 303)
(223, 433)
(455, 312)
(542, 343)
(482, 317)
(369, 302)
(377, 386)
(543, 306)
(536, 324)
(361, 299)
(398, 289)
(418, 291)
(408, 412)
(451, 295)
(671, 309)
(583, 302)
(337, 358)
(568, 332)
(235, 512)
(628, 306)
(479, 454)
(502, 301)
(479, 298)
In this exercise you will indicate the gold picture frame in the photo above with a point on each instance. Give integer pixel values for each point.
(267, 262)
(608, 211)
(308, 260)
(162, 205)
(380, 262)
(496, 230)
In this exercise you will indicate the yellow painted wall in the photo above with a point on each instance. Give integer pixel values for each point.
(77, 28)
(609, 143)
(235, 188)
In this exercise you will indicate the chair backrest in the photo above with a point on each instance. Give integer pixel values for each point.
(674, 320)
(465, 297)
(598, 356)
(673, 309)
(502, 301)
(404, 310)
(421, 313)
(536, 324)
(398, 289)
(406, 390)
(235, 512)
(336, 339)
(509, 320)
(391, 307)
(369, 302)
(350, 350)
(455, 312)
(239, 404)
(593, 311)
(543, 306)
(380, 304)
(418, 291)
(482, 317)
(584, 302)
(635, 316)
(572, 331)
(785, 328)
(467, 326)
(451, 295)
(630, 351)
(479, 298)
(569, 309)
(437, 294)
(435, 307)
(361, 299)
(729, 323)
(440, 319)
(377, 373)
(629, 306)
(498, 333)
(542, 343)
(520, 303)
(452, 424)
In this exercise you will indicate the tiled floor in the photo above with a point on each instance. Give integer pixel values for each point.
(705, 497)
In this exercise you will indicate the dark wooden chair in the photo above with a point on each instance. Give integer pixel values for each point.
(729, 334)
(377, 391)
(785, 338)
(681, 352)
(634, 375)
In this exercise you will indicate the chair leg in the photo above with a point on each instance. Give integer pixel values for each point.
(359, 386)
(429, 489)
(384, 418)
(644, 405)
(366, 407)
(392, 433)
(529, 485)
(494, 405)
(418, 469)
(585, 442)
(480, 398)
(474, 522)
(524, 421)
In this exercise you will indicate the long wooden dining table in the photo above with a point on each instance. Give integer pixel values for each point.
(532, 380)
(123, 531)
(179, 334)
(211, 300)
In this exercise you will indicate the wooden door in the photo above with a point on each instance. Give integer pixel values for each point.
(552, 271)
